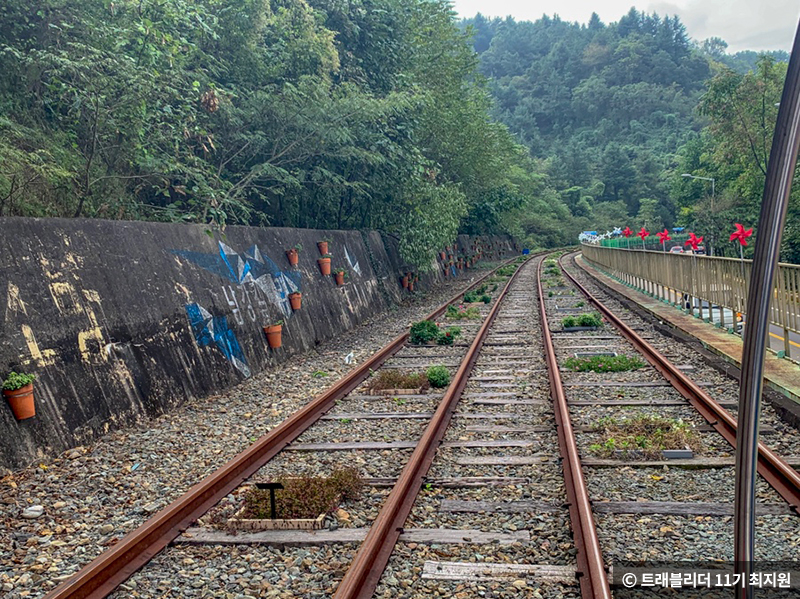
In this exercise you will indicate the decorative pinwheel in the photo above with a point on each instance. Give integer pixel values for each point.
(664, 237)
(643, 233)
(694, 241)
(627, 233)
(740, 234)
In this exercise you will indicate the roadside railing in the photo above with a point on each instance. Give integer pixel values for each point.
(711, 288)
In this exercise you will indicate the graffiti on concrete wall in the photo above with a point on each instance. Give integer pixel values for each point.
(353, 263)
(210, 329)
(254, 287)
(255, 281)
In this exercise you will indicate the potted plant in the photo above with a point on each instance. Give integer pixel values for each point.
(404, 281)
(340, 274)
(274, 332)
(296, 299)
(293, 254)
(18, 391)
(325, 264)
(323, 246)
(442, 255)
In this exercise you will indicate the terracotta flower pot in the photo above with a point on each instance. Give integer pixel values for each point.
(21, 402)
(325, 266)
(296, 299)
(442, 255)
(405, 282)
(293, 256)
(411, 285)
(323, 247)
(339, 278)
(274, 335)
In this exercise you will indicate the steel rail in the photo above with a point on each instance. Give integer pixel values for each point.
(111, 568)
(364, 574)
(591, 568)
(780, 475)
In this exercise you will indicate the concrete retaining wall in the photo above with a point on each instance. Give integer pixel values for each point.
(125, 320)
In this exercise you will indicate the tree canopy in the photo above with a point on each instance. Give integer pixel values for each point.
(385, 114)
(369, 114)
(615, 114)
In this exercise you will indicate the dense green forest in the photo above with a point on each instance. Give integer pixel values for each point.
(278, 112)
(615, 114)
(386, 114)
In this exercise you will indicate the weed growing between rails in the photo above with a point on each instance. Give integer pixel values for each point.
(583, 320)
(604, 364)
(305, 496)
(647, 435)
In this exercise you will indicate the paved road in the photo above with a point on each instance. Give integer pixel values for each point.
(776, 334)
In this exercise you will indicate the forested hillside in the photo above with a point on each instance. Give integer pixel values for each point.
(384, 114)
(279, 112)
(615, 115)
(604, 106)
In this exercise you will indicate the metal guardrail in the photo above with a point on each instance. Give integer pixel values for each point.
(719, 282)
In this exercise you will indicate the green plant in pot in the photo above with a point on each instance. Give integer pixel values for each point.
(274, 333)
(340, 274)
(18, 391)
(293, 254)
(325, 264)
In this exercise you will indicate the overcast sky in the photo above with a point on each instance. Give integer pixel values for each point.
(744, 24)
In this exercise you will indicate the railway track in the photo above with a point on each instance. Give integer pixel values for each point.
(486, 503)
(116, 565)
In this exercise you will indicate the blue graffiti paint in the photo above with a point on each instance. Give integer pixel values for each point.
(258, 280)
(210, 329)
(251, 266)
(240, 268)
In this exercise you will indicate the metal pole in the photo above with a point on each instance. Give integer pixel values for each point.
(713, 216)
(782, 161)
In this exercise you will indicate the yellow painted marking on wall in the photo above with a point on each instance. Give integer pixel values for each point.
(95, 333)
(65, 297)
(184, 290)
(76, 262)
(91, 296)
(46, 357)
(14, 301)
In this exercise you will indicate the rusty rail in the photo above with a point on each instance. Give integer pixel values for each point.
(101, 576)
(591, 569)
(367, 568)
(780, 475)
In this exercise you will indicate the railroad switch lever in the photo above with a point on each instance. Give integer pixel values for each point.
(272, 487)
